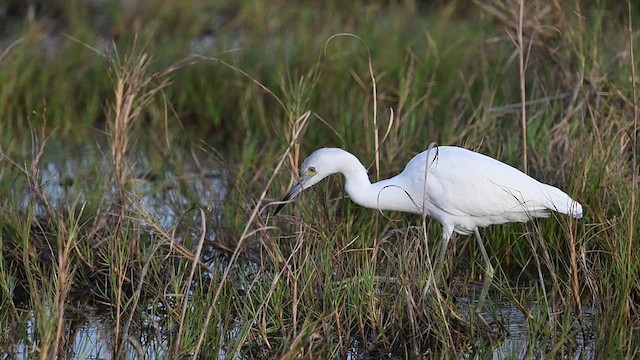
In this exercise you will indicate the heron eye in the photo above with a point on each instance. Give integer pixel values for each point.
(311, 170)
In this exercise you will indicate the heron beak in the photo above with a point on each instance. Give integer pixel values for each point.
(290, 195)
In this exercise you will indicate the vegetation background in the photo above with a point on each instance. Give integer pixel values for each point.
(141, 143)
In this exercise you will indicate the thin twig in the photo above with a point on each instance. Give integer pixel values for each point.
(523, 97)
(374, 90)
(634, 139)
(517, 107)
(302, 120)
(187, 286)
(6, 51)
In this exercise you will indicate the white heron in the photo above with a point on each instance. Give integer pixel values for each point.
(461, 189)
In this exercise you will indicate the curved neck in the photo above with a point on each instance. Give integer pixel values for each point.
(355, 174)
(383, 195)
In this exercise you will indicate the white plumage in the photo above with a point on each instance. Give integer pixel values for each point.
(461, 189)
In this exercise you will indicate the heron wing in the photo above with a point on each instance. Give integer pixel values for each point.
(465, 184)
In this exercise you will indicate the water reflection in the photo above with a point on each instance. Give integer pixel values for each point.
(525, 338)
(165, 196)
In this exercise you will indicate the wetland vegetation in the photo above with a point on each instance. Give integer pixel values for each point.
(142, 144)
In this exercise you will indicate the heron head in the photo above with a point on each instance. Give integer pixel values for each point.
(320, 164)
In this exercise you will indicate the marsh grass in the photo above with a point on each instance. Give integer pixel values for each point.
(161, 234)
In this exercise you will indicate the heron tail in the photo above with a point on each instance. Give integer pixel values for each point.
(563, 203)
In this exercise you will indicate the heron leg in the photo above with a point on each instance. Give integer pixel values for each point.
(488, 270)
(436, 270)
(443, 250)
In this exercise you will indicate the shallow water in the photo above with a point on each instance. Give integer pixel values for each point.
(165, 196)
(519, 342)
(91, 341)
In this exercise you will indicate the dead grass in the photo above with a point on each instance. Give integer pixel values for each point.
(219, 276)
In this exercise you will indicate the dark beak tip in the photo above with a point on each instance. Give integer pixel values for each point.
(285, 200)
(278, 209)
(293, 192)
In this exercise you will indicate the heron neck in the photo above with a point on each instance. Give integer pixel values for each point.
(354, 173)
(382, 195)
